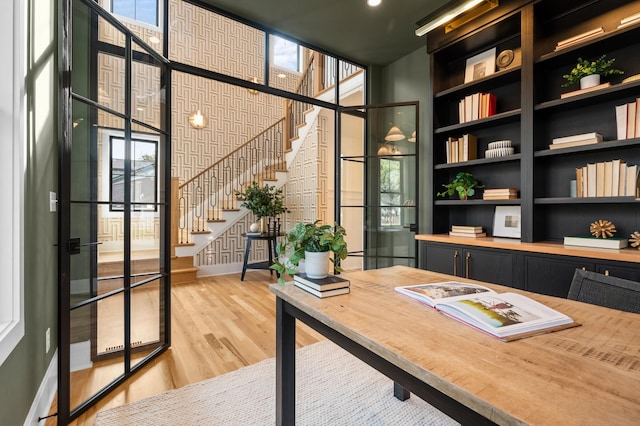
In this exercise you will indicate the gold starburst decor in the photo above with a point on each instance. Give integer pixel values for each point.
(634, 239)
(602, 229)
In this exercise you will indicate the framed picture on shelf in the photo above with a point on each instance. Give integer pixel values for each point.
(506, 222)
(481, 65)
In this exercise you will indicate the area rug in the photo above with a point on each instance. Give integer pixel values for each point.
(333, 388)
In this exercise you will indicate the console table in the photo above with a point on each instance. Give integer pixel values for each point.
(583, 375)
(271, 239)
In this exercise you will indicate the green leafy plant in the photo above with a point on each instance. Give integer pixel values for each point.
(464, 184)
(265, 201)
(583, 68)
(311, 237)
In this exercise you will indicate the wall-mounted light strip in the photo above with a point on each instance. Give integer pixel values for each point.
(449, 13)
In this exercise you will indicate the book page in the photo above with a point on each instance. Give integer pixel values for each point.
(435, 293)
(503, 314)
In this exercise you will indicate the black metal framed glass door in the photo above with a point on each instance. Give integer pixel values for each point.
(379, 182)
(114, 295)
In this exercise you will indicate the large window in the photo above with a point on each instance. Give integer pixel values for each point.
(286, 54)
(390, 192)
(139, 10)
(144, 183)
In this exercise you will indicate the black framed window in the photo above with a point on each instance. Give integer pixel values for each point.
(286, 54)
(139, 10)
(390, 192)
(144, 172)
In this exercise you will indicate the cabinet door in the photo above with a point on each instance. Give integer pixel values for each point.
(442, 258)
(627, 271)
(492, 266)
(552, 275)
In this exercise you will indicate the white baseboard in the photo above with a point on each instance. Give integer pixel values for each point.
(44, 398)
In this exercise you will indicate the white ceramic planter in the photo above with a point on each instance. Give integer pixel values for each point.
(589, 81)
(316, 265)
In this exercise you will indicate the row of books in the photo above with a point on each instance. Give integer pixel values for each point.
(576, 140)
(500, 194)
(628, 120)
(612, 178)
(579, 38)
(461, 149)
(476, 106)
(331, 285)
(467, 231)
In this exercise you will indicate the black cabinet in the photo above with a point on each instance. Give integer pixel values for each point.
(552, 275)
(625, 270)
(483, 264)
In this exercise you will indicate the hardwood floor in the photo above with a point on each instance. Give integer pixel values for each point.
(219, 324)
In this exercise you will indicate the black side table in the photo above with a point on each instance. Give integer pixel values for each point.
(271, 238)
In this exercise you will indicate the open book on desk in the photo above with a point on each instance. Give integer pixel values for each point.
(507, 316)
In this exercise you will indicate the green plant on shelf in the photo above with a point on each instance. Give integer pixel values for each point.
(464, 184)
(584, 68)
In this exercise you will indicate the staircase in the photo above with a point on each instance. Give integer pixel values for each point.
(205, 206)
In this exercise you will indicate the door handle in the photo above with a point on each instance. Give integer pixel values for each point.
(467, 264)
(455, 263)
(73, 245)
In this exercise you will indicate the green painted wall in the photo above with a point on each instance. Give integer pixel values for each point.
(407, 79)
(22, 373)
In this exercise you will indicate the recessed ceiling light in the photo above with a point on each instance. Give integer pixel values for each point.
(374, 2)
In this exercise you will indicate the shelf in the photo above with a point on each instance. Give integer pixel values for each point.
(507, 76)
(503, 117)
(478, 202)
(613, 92)
(587, 200)
(603, 146)
(479, 161)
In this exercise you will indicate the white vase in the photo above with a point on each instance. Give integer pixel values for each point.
(589, 81)
(316, 264)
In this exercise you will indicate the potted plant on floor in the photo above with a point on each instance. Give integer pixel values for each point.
(464, 184)
(263, 201)
(588, 73)
(313, 243)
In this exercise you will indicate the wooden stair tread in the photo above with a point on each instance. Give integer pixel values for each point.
(185, 244)
(215, 220)
(200, 232)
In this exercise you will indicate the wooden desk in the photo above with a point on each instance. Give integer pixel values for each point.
(584, 375)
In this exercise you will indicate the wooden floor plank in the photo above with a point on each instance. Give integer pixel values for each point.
(219, 324)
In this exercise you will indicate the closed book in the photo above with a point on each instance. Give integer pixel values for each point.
(327, 293)
(590, 241)
(500, 191)
(468, 234)
(637, 135)
(622, 187)
(632, 181)
(492, 107)
(468, 104)
(454, 150)
(615, 180)
(600, 179)
(475, 106)
(575, 143)
(500, 197)
(621, 121)
(461, 110)
(579, 182)
(585, 182)
(591, 182)
(631, 120)
(587, 90)
(466, 229)
(580, 137)
(330, 282)
(470, 147)
(608, 178)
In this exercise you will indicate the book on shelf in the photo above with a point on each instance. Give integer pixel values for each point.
(476, 106)
(591, 179)
(612, 178)
(465, 228)
(507, 316)
(580, 137)
(575, 143)
(500, 197)
(628, 120)
(579, 38)
(587, 90)
(600, 178)
(500, 191)
(591, 241)
(330, 282)
(325, 293)
(632, 181)
(461, 149)
(468, 234)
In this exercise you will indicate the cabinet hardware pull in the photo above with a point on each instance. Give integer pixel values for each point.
(606, 272)
(467, 264)
(455, 263)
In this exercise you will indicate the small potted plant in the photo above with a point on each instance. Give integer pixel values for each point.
(312, 242)
(464, 184)
(263, 201)
(588, 73)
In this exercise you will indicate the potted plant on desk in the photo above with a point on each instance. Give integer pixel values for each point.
(264, 202)
(313, 243)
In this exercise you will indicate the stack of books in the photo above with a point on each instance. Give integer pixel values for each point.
(500, 194)
(467, 231)
(331, 285)
(612, 178)
(576, 140)
(461, 149)
(476, 106)
(579, 38)
(628, 120)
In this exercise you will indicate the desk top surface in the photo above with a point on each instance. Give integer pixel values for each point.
(583, 375)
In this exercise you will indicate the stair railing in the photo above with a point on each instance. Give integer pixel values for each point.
(203, 198)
